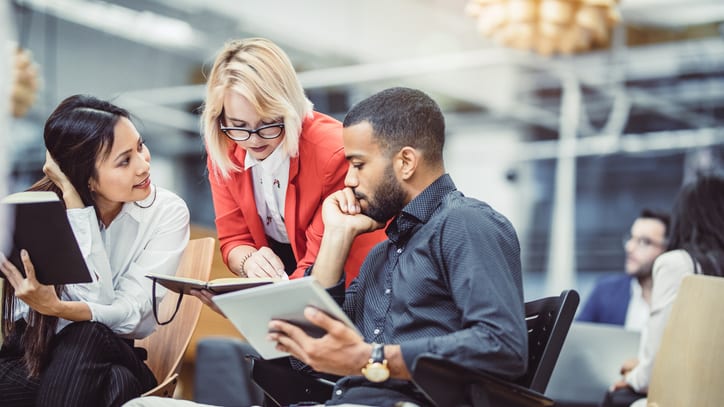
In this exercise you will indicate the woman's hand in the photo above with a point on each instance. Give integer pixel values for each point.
(205, 296)
(70, 194)
(629, 365)
(40, 297)
(263, 263)
(621, 384)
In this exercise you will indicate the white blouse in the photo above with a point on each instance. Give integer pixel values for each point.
(271, 178)
(670, 269)
(138, 241)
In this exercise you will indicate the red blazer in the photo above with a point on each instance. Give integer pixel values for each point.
(318, 170)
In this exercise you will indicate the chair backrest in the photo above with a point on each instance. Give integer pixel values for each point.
(446, 383)
(168, 343)
(548, 321)
(688, 369)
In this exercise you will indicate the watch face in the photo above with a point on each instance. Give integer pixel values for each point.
(377, 372)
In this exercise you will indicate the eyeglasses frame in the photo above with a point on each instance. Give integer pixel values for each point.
(644, 242)
(226, 130)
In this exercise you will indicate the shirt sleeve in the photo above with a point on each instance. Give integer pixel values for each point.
(332, 177)
(84, 223)
(129, 311)
(231, 226)
(669, 270)
(481, 261)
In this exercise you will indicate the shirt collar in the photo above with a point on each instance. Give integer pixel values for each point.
(271, 163)
(420, 209)
(134, 210)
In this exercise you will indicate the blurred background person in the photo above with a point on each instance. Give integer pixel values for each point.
(625, 298)
(696, 246)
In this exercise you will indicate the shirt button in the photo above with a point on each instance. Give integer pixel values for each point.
(399, 250)
(338, 392)
(387, 291)
(376, 331)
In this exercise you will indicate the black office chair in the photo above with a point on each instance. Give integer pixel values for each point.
(446, 383)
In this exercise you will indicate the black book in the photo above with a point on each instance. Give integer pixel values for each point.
(41, 227)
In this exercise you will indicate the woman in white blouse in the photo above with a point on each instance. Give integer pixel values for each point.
(72, 345)
(696, 246)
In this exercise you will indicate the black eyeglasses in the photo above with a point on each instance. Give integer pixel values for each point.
(642, 242)
(267, 131)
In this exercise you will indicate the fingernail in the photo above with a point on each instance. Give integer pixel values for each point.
(24, 253)
(310, 311)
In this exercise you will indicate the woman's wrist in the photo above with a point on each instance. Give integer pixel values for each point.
(72, 198)
(242, 263)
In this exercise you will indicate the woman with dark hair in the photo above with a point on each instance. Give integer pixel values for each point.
(72, 345)
(696, 246)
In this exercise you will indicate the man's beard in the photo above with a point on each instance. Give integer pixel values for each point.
(388, 199)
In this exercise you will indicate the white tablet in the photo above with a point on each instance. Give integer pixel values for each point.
(251, 310)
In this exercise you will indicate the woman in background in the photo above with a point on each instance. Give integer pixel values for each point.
(696, 246)
(272, 160)
(72, 345)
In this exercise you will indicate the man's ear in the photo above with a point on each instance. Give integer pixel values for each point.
(407, 160)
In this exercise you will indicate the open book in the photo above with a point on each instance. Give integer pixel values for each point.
(41, 227)
(218, 286)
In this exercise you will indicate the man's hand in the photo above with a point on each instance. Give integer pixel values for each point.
(342, 211)
(40, 297)
(341, 351)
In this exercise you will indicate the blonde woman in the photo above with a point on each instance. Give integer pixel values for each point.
(272, 160)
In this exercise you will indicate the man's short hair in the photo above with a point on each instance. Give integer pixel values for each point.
(402, 117)
(659, 215)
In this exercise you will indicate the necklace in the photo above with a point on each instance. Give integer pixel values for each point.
(155, 191)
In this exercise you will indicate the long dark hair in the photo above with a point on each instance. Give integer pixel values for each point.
(697, 223)
(77, 134)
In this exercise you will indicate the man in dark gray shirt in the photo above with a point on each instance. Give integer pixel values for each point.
(447, 281)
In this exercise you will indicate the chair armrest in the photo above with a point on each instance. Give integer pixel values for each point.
(448, 384)
(285, 385)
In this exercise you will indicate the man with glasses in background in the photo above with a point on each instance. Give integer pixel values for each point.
(624, 299)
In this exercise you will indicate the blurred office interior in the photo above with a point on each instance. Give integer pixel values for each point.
(569, 146)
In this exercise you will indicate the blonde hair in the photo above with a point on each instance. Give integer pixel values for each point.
(259, 70)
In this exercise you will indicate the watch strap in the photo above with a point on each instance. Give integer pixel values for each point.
(378, 353)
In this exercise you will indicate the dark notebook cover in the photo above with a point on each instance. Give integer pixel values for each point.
(41, 227)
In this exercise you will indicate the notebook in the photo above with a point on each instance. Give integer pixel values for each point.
(590, 362)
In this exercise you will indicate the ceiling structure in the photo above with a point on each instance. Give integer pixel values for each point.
(678, 72)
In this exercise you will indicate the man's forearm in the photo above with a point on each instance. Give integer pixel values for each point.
(332, 255)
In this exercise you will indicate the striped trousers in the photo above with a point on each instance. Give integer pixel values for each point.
(87, 365)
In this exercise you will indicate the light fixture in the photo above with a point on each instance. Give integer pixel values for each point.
(546, 26)
(145, 27)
